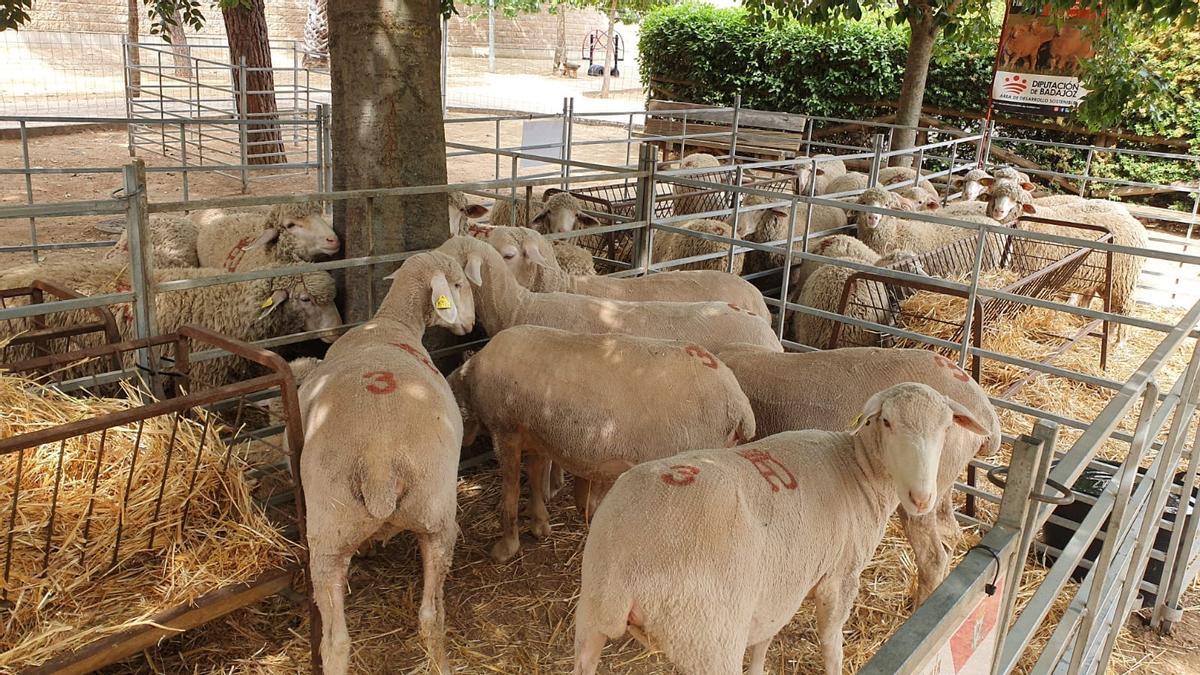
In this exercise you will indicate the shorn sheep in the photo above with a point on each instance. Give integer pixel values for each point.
(560, 212)
(462, 212)
(892, 176)
(523, 251)
(968, 185)
(502, 303)
(887, 234)
(851, 181)
(382, 437)
(773, 224)
(285, 234)
(248, 310)
(574, 420)
(676, 246)
(758, 528)
(835, 246)
(683, 203)
(838, 382)
(172, 239)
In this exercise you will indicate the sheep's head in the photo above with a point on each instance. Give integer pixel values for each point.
(699, 160)
(461, 212)
(771, 221)
(562, 212)
(308, 296)
(970, 186)
(299, 230)
(919, 199)
(907, 425)
(879, 198)
(1011, 173)
(441, 287)
(525, 252)
(1007, 198)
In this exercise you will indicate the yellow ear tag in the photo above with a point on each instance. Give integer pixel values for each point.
(267, 303)
(442, 302)
(854, 422)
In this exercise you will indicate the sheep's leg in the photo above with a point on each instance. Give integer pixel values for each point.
(588, 645)
(508, 451)
(758, 657)
(555, 480)
(437, 551)
(538, 471)
(328, 574)
(933, 561)
(583, 498)
(835, 598)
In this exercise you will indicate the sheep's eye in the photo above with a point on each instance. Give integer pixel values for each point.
(289, 226)
(509, 256)
(458, 284)
(887, 424)
(306, 299)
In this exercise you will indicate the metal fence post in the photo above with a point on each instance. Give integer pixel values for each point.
(877, 143)
(320, 149)
(644, 206)
(141, 263)
(128, 91)
(565, 154)
(243, 119)
(29, 188)
(733, 218)
(1087, 172)
(183, 157)
(733, 134)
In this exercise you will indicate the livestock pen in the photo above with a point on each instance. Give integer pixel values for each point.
(540, 584)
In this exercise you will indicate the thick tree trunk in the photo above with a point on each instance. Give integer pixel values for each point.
(316, 35)
(609, 54)
(385, 58)
(134, 62)
(560, 38)
(180, 52)
(246, 29)
(912, 88)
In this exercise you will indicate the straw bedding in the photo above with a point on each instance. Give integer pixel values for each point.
(83, 597)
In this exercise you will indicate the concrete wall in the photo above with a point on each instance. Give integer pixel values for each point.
(527, 35)
(285, 18)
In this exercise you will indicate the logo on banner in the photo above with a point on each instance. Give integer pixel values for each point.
(1039, 60)
(1015, 84)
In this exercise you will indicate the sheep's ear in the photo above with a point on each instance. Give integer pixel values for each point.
(541, 220)
(964, 418)
(392, 276)
(272, 303)
(442, 298)
(871, 410)
(1028, 187)
(269, 235)
(957, 181)
(987, 181)
(584, 220)
(476, 210)
(933, 205)
(474, 269)
(1029, 208)
(778, 212)
(535, 254)
(820, 172)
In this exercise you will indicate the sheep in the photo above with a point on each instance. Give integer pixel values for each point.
(462, 212)
(828, 167)
(835, 246)
(836, 383)
(675, 246)
(573, 259)
(851, 181)
(773, 225)
(969, 186)
(504, 303)
(921, 199)
(173, 242)
(523, 250)
(897, 175)
(759, 528)
(382, 434)
(887, 234)
(560, 212)
(247, 310)
(286, 234)
(823, 289)
(1010, 173)
(572, 419)
(683, 204)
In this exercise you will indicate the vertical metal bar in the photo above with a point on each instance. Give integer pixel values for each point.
(644, 206)
(491, 16)
(128, 92)
(243, 118)
(12, 522)
(320, 151)
(953, 168)
(87, 518)
(1087, 171)
(876, 160)
(295, 90)
(1184, 530)
(1116, 523)
(787, 269)
(446, 65)
(195, 471)
(683, 139)
(808, 132)
(162, 104)
(972, 297)
(62, 449)
(141, 262)
(183, 157)
(29, 188)
(137, 447)
(567, 133)
(733, 229)
(737, 109)
(497, 175)
(1188, 240)
(162, 486)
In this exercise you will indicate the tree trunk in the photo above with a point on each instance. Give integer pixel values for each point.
(316, 35)
(609, 55)
(912, 88)
(246, 29)
(560, 42)
(385, 58)
(180, 52)
(134, 65)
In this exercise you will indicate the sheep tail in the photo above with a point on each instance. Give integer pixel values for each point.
(378, 486)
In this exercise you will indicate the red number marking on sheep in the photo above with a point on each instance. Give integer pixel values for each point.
(769, 467)
(702, 354)
(680, 475)
(947, 363)
(382, 382)
(125, 309)
(416, 353)
(235, 255)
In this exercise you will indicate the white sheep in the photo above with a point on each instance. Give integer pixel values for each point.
(851, 181)
(524, 251)
(834, 246)
(172, 239)
(772, 225)
(382, 434)
(886, 234)
(893, 176)
(462, 212)
(823, 289)
(572, 418)
(968, 184)
(247, 310)
(827, 168)
(572, 258)
(709, 553)
(683, 203)
(560, 212)
(503, 303)
(837, 382)
(251, 239)
(676, 246)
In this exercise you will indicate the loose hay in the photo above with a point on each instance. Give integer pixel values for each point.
(82, 597)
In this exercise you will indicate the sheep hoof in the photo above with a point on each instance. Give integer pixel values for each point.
(505, 549)
(540, 529)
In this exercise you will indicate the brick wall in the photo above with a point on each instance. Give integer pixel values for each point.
(531, 35)
(285, 18)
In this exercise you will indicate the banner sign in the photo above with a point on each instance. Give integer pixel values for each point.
(1038, 62)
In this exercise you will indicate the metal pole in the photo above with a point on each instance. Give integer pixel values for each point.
(295, 90)
(644, 206)
(29, 189)
(497, 149)
(141, 263)
(972, 297)
(562, 147)
(320, 150)
(128, 92)
(808, 132)
(183, 157)
(243, 117)
(877, 148)
(446, 63)
(787, 270)
(1087, 171)
(162, 105)
(733, 134)
(491, 36)
(569, 129)
(733, 230)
